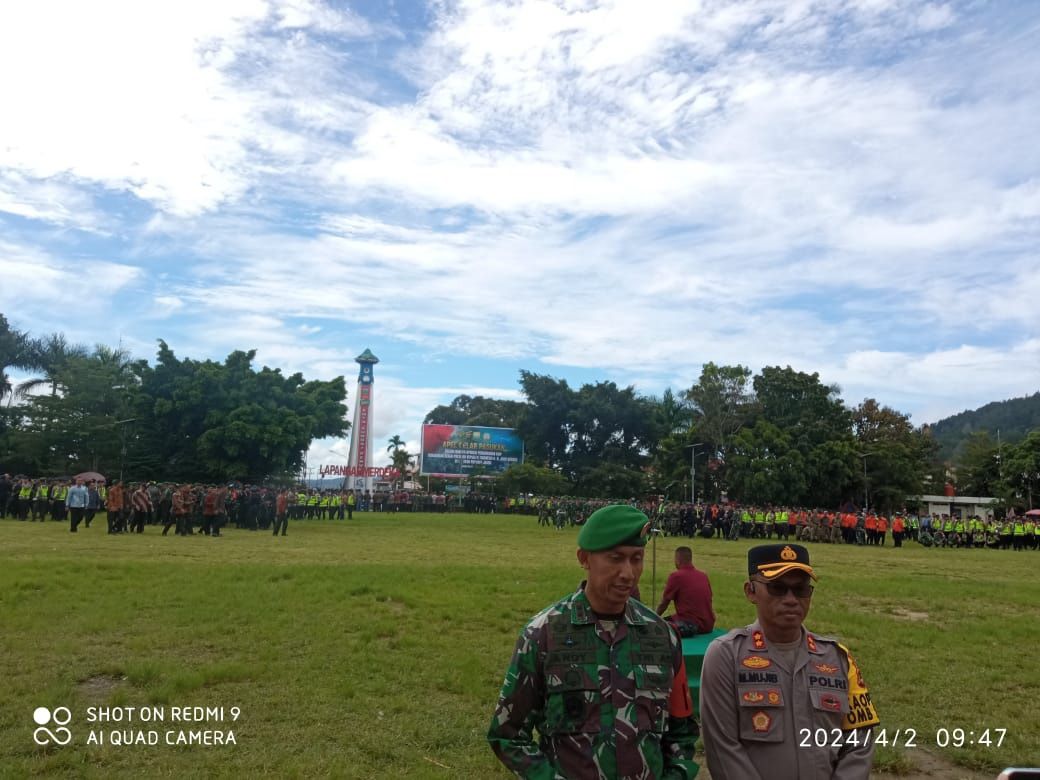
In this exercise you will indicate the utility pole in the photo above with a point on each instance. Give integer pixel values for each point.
(693, 471)
(122, 438)
(866, 498)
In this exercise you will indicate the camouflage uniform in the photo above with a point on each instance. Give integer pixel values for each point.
(609, 699)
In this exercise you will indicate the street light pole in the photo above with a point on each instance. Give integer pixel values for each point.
(866, 497)
(693, 471)
(122, 441)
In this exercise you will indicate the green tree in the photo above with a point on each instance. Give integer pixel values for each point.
(16, 351)
(1022, 471)
(76, 425)
(722, 403)
(529, 478)
(402, 460)
(766, 467)
(547, 427)
(209, 421)
(978, 466)
(478, 410)
(52, 355)
(897, 456)
(394, 443)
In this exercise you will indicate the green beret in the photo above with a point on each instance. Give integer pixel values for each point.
(612, 525)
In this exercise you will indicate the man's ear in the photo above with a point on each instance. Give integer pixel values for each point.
(583, 558)
(749, 592)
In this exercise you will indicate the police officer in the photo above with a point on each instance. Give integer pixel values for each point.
(771, 689)
(598, 675)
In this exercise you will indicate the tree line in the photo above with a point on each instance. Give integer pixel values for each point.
(780, 436)
(98, 409)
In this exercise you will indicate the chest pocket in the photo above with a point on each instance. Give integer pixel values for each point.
(835, 703)
(761, 713)
(653, 689)
(573, 701)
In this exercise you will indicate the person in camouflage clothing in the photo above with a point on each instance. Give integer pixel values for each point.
(598, 675)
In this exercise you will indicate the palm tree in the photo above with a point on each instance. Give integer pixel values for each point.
(402, 459)
(15, 352)
(51, 355)
(396, 443)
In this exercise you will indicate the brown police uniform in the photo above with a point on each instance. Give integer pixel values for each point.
(797, 711)
(756, 713)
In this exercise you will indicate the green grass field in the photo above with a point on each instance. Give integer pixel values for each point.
(376, 648)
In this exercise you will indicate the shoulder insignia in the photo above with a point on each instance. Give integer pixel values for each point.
(756, 662)
(758, 640)
(811, 642)
(861, 707)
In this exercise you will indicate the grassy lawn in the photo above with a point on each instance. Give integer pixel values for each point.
(376, 648)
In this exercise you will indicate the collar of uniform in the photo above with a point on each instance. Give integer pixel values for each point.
(582, 613)
(761, 644)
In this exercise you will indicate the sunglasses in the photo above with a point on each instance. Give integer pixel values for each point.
(779, 589)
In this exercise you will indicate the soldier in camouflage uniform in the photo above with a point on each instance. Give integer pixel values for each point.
(598, 675)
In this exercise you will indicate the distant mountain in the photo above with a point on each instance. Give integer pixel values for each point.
(1014, 418)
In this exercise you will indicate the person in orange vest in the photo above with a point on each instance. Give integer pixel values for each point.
(848, 528)
(871, 525)
(882, 529)
(898, 527)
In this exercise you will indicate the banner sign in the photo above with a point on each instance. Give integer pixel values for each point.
(388, 472)
(459, 450)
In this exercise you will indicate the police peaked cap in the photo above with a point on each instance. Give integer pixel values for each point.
(610, 526)
(772, 560)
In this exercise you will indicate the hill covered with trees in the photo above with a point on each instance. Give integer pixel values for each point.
(1014, 418)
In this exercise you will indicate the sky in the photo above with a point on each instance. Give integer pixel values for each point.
(592, 190)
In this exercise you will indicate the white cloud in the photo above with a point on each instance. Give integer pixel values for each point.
(180, 104)
(595, 185)
(935, 17)
(51, 200)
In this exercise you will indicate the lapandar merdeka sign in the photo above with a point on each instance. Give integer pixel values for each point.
(460, 450)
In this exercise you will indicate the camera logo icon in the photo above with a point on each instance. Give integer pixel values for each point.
(60, 717)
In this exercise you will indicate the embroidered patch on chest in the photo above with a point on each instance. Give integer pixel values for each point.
(756, 662)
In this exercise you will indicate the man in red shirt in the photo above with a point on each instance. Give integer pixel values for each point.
(690, 590)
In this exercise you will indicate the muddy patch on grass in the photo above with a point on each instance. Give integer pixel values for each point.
(909, 614)
(100, 686)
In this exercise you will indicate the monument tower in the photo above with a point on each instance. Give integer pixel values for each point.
(360, 445)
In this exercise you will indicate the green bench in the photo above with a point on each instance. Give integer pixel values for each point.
(693, 649)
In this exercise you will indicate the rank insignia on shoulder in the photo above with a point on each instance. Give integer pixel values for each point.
(756, 662)
(758, 640)
(761, 721)
(810, 641)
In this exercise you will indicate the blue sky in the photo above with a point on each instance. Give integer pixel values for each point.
(618, 190)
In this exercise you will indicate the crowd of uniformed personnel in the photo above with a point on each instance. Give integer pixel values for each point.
(734, 521)
(192, 508)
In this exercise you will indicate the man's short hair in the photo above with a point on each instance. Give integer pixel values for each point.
(684, 554)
